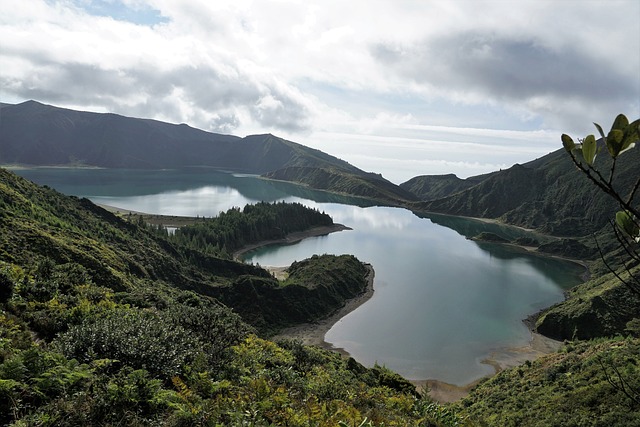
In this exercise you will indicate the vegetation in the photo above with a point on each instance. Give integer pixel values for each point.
(490, 237)
(606, 304)
(368, 186)
(234, 229)
(621, 138)
(601, 307)
(104, 322)
(434, 187)
(315, 288)
(545, 195)
(568, 388)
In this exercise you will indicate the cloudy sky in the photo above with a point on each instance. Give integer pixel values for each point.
(401, 87)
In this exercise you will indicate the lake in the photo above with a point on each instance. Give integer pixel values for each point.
(442, 303)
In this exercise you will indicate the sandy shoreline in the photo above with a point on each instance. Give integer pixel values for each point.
(440, 391)
(313, 333)
(500, 360)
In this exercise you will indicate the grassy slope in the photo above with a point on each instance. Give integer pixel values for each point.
(568, 388)
(547, 194)
(40, 223)
(369, 186)
(601, 307)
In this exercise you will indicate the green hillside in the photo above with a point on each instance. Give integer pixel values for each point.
(581, 385)
(368, 186)
(547, 195)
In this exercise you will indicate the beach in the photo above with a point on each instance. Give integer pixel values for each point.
(313, 334)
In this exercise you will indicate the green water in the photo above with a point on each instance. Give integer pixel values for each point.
(442, 303)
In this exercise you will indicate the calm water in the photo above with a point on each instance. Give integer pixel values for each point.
(442, 303)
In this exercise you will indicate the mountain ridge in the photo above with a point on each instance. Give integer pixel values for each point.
(546, 194)
(37, 134)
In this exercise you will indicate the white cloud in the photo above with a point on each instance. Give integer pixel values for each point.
(401, 70)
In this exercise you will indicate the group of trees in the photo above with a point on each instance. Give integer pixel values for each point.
(235, 228)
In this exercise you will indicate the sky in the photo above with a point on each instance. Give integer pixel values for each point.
(398, 87)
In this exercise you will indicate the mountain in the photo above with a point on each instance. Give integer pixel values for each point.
(104, 322)
(369, 186)
(433, 187)
(32, 133)
(546, 194)
(36, 134)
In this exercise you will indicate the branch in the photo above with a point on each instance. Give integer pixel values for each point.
(633, 192)
(631, 287)
(613, 168)
(602, 183)
(622, 385)
(624, 242)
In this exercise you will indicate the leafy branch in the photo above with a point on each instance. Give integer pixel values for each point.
(622, 137)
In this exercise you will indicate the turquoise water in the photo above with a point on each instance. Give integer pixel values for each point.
(442, 303)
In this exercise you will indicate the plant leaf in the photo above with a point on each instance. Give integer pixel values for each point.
(599, 129)
(630, 136)
(567, 142)
(626, 223)
(621, 122)
(589, 149)
(614, 142)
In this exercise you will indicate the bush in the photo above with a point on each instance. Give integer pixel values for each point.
(139, 339)
(217, 327)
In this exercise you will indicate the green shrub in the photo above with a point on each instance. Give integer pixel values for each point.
(214, 325)
(139, 339)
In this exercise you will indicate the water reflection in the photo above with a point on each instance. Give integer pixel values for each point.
(470, 227)
(373, 218)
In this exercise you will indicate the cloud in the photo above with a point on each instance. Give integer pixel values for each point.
(301, 68)
(482, 67)
(80, 59)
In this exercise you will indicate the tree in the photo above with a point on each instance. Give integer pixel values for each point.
(626, 224)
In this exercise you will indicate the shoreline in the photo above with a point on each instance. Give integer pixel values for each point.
(313, 333)
(499, 360)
